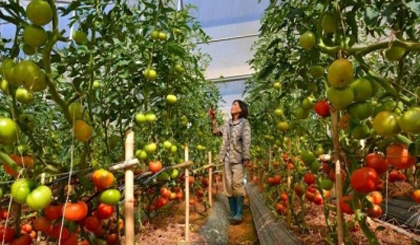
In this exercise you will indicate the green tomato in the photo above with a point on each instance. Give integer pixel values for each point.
(8, 131)
(174, 149)
(39, 198)
(21, 189)
(163, 36)
(110, 197)
(29, 50)
(140, 118)
(327, 184)
(171, 99)
(174, 173)
(150, 148)
(79, 37)
(179, 69)
(150, 74)
(76, 110)
(1, 194)
(155, 35)
(34, 36)
(167, 145)
(151, 118)
(96, 84)
(142, 155)
(24, 96)
(164, 176)
(27, 120)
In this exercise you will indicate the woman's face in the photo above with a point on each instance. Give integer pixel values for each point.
(236, 109)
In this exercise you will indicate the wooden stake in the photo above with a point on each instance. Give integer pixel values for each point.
(187, 197)
(269, 158)
(338, 178)
(39, 234)
(210, 195)
(129, 191)
(289, 182)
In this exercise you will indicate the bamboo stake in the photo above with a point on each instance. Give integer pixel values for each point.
(129, 191)
(187, 198)
(338, 180)
(210, 195)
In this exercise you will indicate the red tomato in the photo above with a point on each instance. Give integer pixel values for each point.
(285, 156)
(155, 166)
(271, 181)
(310, 196)
(318, 199)
(200, 193)
(393, 176)
(26, 228)
(111, 239)
(402, 177)
(27, 161)
(75, 211)
(284, 196)
(416, 196)
(378, 162)
(399, 157)
(179, 195)
(192, 201)
(24, 239)
(165, 192)
(102, 179)
(280, 208)
(290, 166)
(322, 108)
(71, 240)
(331, 174)
(311, 189)
(309, 178)
(53, 212)
(375, 211)
(92, 223)
(42, 224)
(364, 180)
(3, 214)
(7, 234)
(299, 189)
(345, 205)
(277, 179)
(104, 211)
(326, 168)
(57, 230)
(376, 197)
(205, 182)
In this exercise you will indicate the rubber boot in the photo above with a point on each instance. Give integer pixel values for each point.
(232, 204)
(239, 209)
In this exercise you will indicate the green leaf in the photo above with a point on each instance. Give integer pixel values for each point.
(413, 5)
(371, 16)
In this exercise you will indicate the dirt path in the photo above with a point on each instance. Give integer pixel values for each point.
(244, 233)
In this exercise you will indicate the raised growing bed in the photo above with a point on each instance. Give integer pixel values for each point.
(404, 211)
(269, 230)
(216, 229)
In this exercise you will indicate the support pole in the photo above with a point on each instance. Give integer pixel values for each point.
(187, 197)
(210, 195)
(269, 158)
(129, 191)
(338, 177)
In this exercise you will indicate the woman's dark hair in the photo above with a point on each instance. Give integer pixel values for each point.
(244, 109)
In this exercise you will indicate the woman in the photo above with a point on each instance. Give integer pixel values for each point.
(235, 154)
